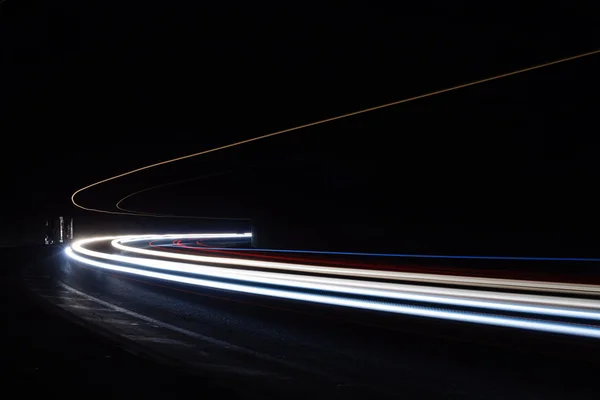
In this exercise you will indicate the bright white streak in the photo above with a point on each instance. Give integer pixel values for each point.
(449, 296)
(545, 326)
(361, 273)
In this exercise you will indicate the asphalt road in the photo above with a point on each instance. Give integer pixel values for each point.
(285, 348)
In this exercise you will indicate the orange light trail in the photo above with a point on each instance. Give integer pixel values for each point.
(320, 122)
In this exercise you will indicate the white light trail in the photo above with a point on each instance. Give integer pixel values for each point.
(361, 273)
(513, 322)
(513, 302)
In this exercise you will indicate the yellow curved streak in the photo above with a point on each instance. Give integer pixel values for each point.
(323, 121)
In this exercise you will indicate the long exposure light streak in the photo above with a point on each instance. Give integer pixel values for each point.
(364, 273)
(320, 122)
(386, 305)
(344, 290)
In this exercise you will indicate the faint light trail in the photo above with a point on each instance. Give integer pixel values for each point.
(363, 111)
(336, 291)
(118, 205)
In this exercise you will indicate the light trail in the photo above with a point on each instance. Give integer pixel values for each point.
(334, 291)
(327, 120)
(177, 246)
(457, 297)
(496, 283)
(406, 255)
(118, 205)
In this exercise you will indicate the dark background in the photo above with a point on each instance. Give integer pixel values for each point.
(93, 89)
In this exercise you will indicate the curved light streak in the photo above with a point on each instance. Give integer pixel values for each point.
(351, 114)
(401, 255)
(522, 303)
(363, 273)
(118, 205)
(385, 306)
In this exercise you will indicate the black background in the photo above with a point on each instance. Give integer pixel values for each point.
(92, 89)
